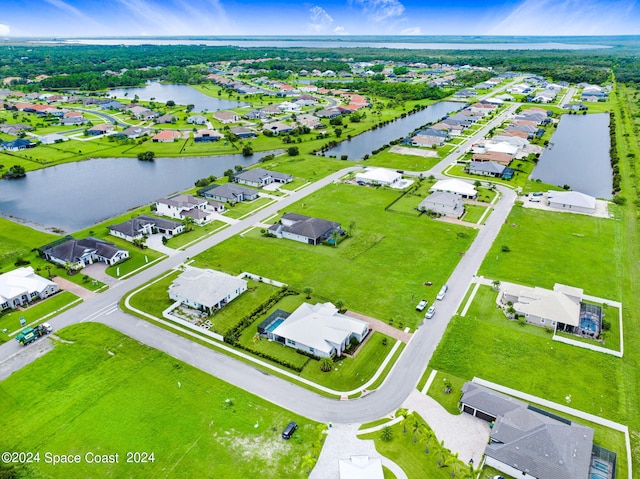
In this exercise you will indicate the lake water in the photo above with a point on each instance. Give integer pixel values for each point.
(181, 94)
(74, 196)
(578, 155)
(368, 141)
(278, 42)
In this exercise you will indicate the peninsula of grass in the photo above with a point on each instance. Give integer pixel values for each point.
(37, 312)
(416, 453)
(17, 241)
(554, 247)
(365, 271)
(194, 424)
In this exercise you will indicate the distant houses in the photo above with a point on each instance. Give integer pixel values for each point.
(259, 177)
(206, 290)
(229, 193)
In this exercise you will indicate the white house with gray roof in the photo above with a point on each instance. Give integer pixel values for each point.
(528, 442)
(443, 203)
(230, 193)
(183, 206)
(137, 228)
(571, 201)
(319, 329)
(304, 229)
(485, 168)
(206, 289)
(259, 177)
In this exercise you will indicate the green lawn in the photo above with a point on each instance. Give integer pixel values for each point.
(244, 208)
(398, 161)
(197, 234)
(449, 400)
(487, 345)
(194, 424)
(36, 312)
(473, 213)
(17, 240)
(553, 247)
(369, 257)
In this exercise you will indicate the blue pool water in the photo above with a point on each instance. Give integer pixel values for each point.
(275, 324)
(588, 324)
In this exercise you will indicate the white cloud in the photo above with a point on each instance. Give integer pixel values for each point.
(380, 10)
(71, 10)
(567, 17)
(411, 31)
(157, 19)
(321, 21)
(4, 29)
(340, 31)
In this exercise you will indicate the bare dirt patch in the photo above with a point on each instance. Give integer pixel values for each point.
(403, 150)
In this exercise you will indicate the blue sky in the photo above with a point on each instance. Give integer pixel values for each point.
(78, 18)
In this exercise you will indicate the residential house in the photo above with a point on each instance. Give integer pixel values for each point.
(277, 127)
(197, 120)
(15, 128)
(255, 115)
(462, 188)
(17, 145)
(73, 121)
(184, 206)
(101, 129)
(289, 107)
(259, 177)
(304, 229)
(427, 141)
(22, 286)
(206, 289)
(573, 201)
(486, 168)
(104, 104)
(166, 136)
(557, 308)
(443, 203)
(531, 443)
(226, 117)
(316, 329)
(142, 113)
(137, 228)
(202, 136)
(378, 176)
(133, 132)
(271, 110)
(328, 113)
(166, 118)
(84, 252)
(52, 138)
(229, 193)
(243, 132)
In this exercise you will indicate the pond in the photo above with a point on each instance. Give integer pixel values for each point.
(74, 196)
(181, 94)
(366, 142)
(578, 155)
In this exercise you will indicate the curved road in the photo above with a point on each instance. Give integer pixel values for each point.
(388, 397)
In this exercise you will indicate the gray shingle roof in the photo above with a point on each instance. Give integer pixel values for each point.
(309, 227)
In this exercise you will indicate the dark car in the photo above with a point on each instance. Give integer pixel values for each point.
(289, 430)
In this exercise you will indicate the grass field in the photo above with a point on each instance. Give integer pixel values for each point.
(549, 247)
(18, 240)
(196, 425)
(387, 159)
(369, 257)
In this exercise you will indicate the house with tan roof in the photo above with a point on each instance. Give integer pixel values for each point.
(226, 117)
(167, 136)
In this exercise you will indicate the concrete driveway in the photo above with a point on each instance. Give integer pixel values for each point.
(98, 271)
(66, 285)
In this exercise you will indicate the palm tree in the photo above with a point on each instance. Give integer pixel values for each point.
(415, 429)
(386, 434)
(326, 364)
(426, 435)
(308, 461)
(496, 284)
(404, 415)
(307, 290)
(441, 452)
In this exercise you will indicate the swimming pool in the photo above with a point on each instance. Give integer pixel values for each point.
(275, 324)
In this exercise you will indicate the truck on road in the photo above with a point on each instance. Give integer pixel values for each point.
(29, 335)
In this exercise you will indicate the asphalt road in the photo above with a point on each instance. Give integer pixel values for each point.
(388, 397)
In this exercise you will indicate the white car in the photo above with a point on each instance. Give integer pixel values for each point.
(421, 305)
(430, 312)
(442, 292)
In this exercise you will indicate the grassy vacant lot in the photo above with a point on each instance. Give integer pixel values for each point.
(387, 159)
(18, 240)
(366, 272)
(485, 344)
(195, 424)
(473, 213)
(37, 312)
(549, 247)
